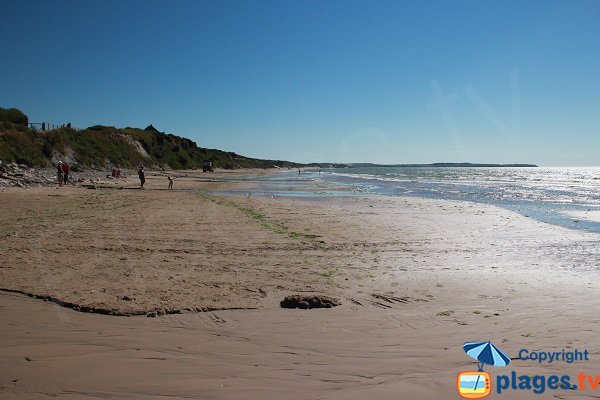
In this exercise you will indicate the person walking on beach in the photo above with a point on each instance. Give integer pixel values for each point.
(170, 182)
(66, 170)
(142, 176)
(59, 173)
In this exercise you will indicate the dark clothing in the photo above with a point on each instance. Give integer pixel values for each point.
(59, 174)
(142, 176)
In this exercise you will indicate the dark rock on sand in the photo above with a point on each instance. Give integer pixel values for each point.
(309, 301)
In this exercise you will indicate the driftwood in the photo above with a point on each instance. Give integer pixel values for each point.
(97, 186)
(20, 180)
(10, 178)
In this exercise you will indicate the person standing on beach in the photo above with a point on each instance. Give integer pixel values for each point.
(170, 182)
(66, 170)
(142, 176)
(59, 173)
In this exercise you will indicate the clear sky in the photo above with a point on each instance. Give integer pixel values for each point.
(343, 81)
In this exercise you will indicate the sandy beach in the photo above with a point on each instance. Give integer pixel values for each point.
(416, 278)
(300, 200)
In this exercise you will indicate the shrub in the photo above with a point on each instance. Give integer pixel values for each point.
(20, 148)
(13, 116)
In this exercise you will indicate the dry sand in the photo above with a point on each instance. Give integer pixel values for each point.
(416, 278)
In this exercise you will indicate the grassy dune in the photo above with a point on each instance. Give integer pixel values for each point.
(101, 146)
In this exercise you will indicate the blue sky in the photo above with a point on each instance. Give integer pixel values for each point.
(342, 81)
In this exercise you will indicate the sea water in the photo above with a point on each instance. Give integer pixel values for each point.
(566, 196)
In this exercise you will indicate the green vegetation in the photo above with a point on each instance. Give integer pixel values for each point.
(13, 116)
(104, 146)
(263, 220)
(21, 147)
(445, 313)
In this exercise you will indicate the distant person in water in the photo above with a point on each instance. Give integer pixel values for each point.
(142, 176)
(170, 182)
(59, 173)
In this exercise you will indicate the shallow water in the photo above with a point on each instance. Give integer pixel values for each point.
(547, 194)
(569, 197)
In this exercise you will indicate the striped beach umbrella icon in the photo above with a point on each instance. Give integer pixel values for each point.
(486, 353)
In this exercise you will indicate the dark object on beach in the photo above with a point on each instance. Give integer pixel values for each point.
(309, 301)
(207, 166)
(142, 176)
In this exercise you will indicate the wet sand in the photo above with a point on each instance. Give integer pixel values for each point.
(416, 278)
